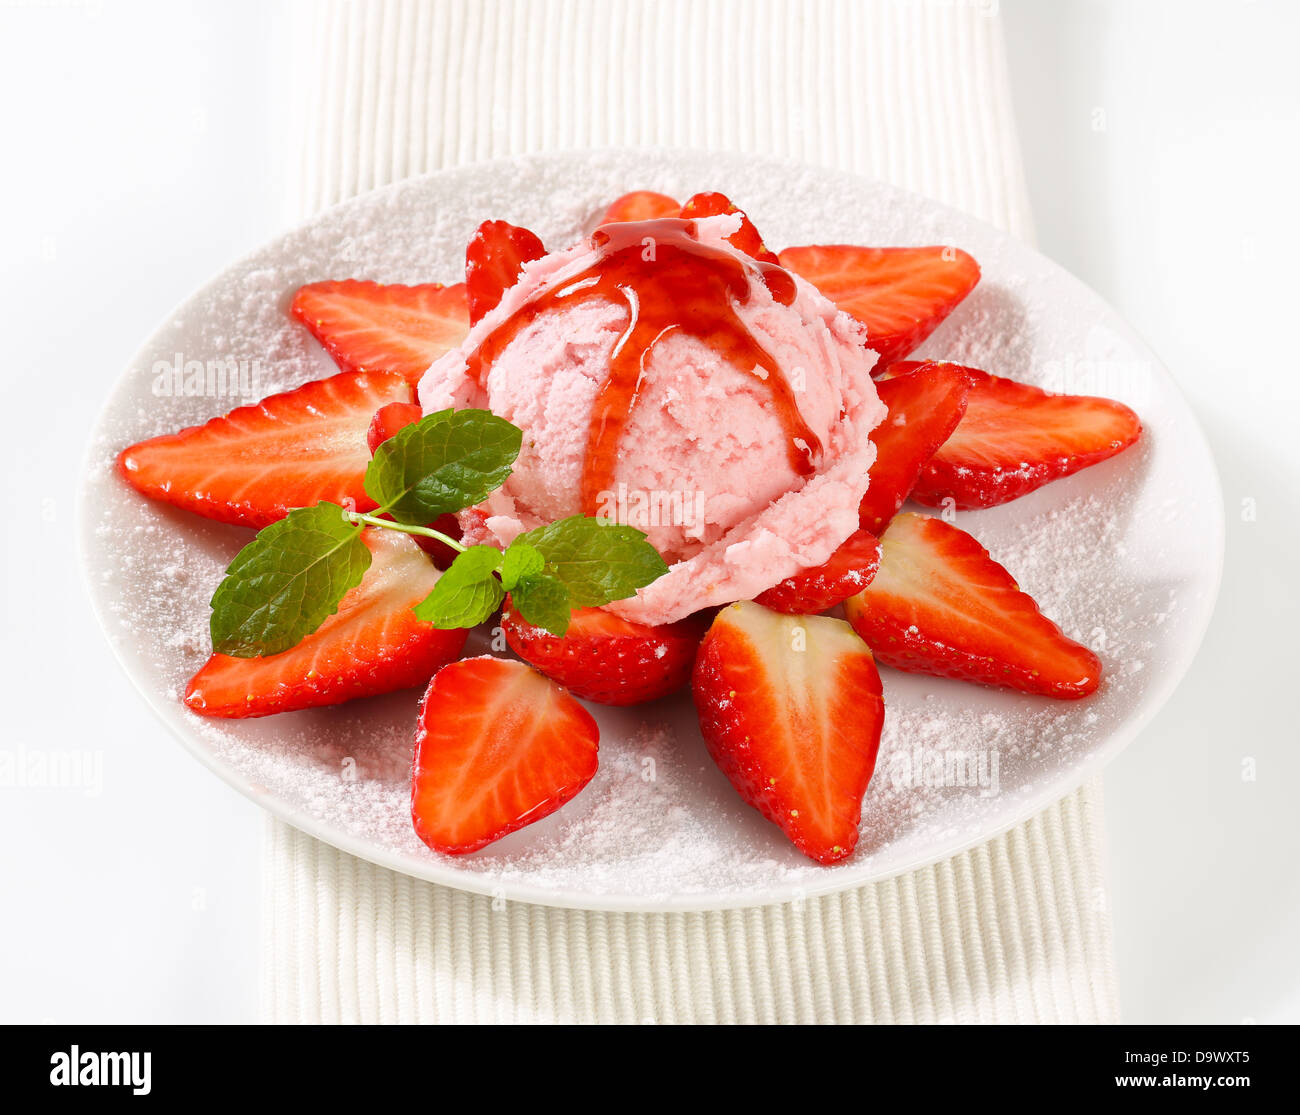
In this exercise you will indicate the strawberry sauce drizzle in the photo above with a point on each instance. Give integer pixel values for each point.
(669, 281)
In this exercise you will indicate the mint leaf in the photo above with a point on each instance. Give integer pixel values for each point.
(286, 582)
(521, 561)
(445, 462)
(467, 593)
(544, 602)
(596, 562)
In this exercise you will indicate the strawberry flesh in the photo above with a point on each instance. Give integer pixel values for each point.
(791, 711)
(257, 463)
(1015, 438)
(900, 294)
(495, 256)
(847, 571)
(373, 327)
(746, 239)
(941, 605)
(373, 644)
(497, 747)
(640, 205)
(924, 408)
(606, 659)
(390, 419)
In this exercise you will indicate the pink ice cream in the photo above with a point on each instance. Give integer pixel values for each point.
(704, 465)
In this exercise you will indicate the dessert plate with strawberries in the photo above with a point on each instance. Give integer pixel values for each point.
(645, 530)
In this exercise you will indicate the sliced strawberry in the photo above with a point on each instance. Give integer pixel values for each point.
(791, 712)
(259, 462)
(372, 327)
(847, 571)
(746, 239)
(497, 747)
(1014, 438)
(606, 659)
(372, 644)
(940, 605)
(641, 205)
(388, 420)
(924, 407)
(898, 368)
(900, 294)
(493, 261)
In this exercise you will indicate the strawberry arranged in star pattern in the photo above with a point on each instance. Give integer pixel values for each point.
(789, 701)
(373, 644)
(640, 205)
(924, 407)
(1014, 437)
(746, 239)
(791, 711)
(941, 605)
(256, 463)
(847, 571)
(493, 261)
(372, 327)
(900, 294)
(606, 659)
(497, 747)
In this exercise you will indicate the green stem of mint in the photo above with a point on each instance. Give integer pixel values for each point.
(360, 517)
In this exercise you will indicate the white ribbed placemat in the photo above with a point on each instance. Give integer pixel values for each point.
(1016, 930)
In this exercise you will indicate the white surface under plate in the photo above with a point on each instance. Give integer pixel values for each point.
(1125, 556)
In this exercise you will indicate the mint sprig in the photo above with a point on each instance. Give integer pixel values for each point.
(467, 593)
(520, 562)
(574, 563)
(292, 577)
(596, 562)
(287, 582)
(445, 462)
(544, 601)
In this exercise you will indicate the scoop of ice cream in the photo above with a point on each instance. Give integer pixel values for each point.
(740, 448)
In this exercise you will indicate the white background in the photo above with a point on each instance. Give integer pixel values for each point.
(146, 146)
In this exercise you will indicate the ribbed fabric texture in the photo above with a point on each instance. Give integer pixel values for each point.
(1016, 930)
(1013, 931)
(915, 93)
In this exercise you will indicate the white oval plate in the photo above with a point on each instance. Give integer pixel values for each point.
(1125, 556)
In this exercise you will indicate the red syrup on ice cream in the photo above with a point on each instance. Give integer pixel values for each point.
(669, 281)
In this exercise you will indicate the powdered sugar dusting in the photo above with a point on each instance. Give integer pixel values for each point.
(659, 825)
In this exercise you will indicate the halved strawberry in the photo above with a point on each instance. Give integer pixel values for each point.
(497, 747)
(1014, 438)
(388, 420)
(847, 571)
(257, 463)
(375, 327)
(940, 605)
(606, 659)
(372, 644)
(900, 294)
(493, 260)
(641, 205)
(746, 239)
(791, 712)
(924, 406)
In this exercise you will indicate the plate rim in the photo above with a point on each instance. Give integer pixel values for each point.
(439, 871)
